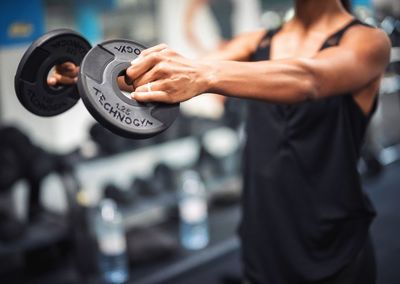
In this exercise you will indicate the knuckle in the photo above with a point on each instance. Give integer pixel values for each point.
(167, 85)
(161, 69)
(155, 57)
(171, 52)
(129, 72)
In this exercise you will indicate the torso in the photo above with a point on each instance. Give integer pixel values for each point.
(304, 212)
(292, 42)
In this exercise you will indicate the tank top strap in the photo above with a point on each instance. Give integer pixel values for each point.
(264, 47)
(334, 39)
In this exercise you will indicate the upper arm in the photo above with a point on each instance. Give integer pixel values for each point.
(239, 48)
(361, 57)
(192, 9)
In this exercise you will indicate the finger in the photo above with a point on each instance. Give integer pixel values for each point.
(64, 80)
(156, 48)
(161, 85)
(51, 81)
(67, 69)
(71, 74)
(127, 79)
(142, 65)
(123, 85)
(150, 76)
(66, 66)
(148, 97)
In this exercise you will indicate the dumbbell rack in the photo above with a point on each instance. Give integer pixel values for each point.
(50, 228)
(47, 233)
(156, 211)
(120, 168)
(92, 173)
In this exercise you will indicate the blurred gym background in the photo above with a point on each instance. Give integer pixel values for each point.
(54, 172)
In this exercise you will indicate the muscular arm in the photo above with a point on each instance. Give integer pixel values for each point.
(238, 49)
(360, 59)
(192, 9)
(334, 71)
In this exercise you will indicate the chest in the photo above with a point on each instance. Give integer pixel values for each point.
(289, 45)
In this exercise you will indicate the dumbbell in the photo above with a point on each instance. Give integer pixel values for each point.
(144, 188)
(161, 181)
(100, 67)
(164, 177)
(122, 197)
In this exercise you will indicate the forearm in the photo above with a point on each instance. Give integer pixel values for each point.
(284, 81)
(334, 71)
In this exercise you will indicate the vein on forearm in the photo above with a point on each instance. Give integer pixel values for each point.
(281, 81)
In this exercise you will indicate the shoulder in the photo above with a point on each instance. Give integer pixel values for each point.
(368, 42)
(240, 48)
(368, 36)
(251, 39)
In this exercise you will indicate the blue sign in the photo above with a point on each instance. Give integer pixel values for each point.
(88, 17)
(21, 21)
(365, 3)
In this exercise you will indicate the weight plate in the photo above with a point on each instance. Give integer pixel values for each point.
(108, 104)
(31, 86)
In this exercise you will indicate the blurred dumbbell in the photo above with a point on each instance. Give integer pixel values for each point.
(29, 161)
(144, 188)
(11, 228)
(164, 178)
(208, 166)
(122, 197)
(146, 245)
(108, 142)
(10, 167)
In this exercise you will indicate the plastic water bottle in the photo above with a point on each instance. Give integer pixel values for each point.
(194, 233)
(113, 263)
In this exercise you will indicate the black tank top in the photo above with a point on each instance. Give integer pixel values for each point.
(305, 215)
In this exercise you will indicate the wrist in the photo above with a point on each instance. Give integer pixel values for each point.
(208, 75)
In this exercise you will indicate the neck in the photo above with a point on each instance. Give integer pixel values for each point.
(311, 12)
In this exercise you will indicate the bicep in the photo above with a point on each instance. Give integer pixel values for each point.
(350, 66)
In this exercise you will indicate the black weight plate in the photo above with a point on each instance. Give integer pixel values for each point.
(31, 86)
(108, 104)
